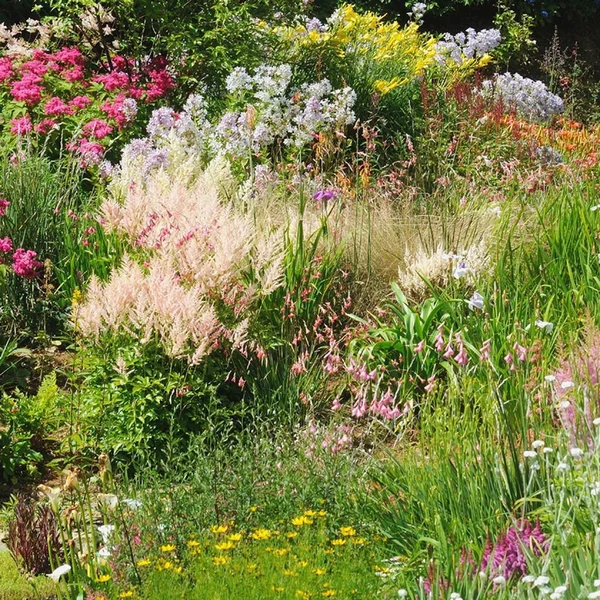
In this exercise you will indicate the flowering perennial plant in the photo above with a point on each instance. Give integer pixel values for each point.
(531, 99)
(57, 95)
(466, 46)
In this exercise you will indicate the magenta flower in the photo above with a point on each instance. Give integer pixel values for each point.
(507, 556)
(44, 126)
(325, 195)
(25, 264)
(55, 106)
(21, 126)
(27, 89)
(80, 102)
(97, 128)
(6, 245)
(6, 71)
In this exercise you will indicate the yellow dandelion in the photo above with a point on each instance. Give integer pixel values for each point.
(219, 561)
(348, 531)
(322, 513)
(219, 529)
(310, 513)
(291, 535)
(253, 509)
(319, 572)
(103, 579)
(167, 548)
(143, 563)
(338, 542)
(167, 565)
(234, 537)
(128, 594)
(193, 543)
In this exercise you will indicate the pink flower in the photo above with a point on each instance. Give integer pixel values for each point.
(462, 359)
(4, 204)
(486, 350)
(27, 89)
(6, 70)
(97, 128)
(25, 265)
(360, 408)
(21, 126)
(37, 67)
(80, 102)
(430, 384)
(449, 351)
(55, 106)
(6, 244)
(419, 347)
(439, 339)
(45, 125)
(70, 56)
(521, 352)
(74, 74)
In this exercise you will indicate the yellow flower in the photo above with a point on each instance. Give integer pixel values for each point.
(277, 589)
(166, 565)
(291, 535)
(328, 593)
(289, 573)
(167, 548)
(302, 564)
(303, 595)
(384, 87)
(143, 563)
(128, 594)
(281, 551)
(319, 572)
(322, 513)
(219, 529)
(224, 546)
(220, 560)
(301, 520)
(252, 567)
(338, 542)
(193, 543)
(235, 537)
(178, 569)
(348, 531)
(310, 514)
(253, 509)
(329, 551)
(103, 579)
(261, 534)
(76, 298)
(359, 541)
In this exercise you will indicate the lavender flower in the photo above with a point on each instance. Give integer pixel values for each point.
(467, 45)
(161, 122)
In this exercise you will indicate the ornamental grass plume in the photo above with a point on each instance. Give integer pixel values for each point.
(579, 372)
(202, 254)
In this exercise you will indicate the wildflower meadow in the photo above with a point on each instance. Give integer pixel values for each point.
(299, 300)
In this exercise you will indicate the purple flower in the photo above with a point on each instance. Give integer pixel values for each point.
(507, 556)
(325, 195)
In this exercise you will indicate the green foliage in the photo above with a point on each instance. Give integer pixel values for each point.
(52, 213)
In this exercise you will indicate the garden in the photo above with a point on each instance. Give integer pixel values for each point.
(299, 300)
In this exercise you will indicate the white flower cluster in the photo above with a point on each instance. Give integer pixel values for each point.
(466, 45)
(276, 112)
(417, 12)
(531, 99)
